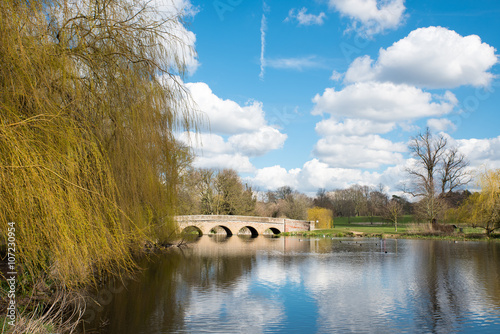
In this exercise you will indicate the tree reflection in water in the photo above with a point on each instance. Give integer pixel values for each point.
(288, 284)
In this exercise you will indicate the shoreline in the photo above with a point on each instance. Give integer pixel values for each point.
(405, 235)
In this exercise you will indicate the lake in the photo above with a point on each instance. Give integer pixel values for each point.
(300, 285)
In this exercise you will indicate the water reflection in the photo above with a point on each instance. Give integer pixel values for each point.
(255, 285)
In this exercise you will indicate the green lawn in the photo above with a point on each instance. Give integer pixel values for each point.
(369, 225)
(377, 226)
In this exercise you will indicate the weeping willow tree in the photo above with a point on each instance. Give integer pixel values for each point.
(89, 101)
(482, 209)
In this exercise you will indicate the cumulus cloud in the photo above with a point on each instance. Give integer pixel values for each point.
(370, 17)
(367, 152)
(381, 94)
(382, 102)
(336, 76)
(236, 161)
(433, 57)
(352, 127)
(236, 134)
(354, 143)
(274, 177)
(481, 152)
(214, 151)
(313, 175)
(304, 18)
(442, 124)
(258, 143)
(226, 116)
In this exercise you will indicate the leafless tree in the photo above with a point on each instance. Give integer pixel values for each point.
(454, 173)
(438, 169)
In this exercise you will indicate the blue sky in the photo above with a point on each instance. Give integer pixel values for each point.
(327, 93)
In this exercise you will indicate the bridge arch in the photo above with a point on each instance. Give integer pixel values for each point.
(272, 231)
(218, 228)
(191, 229)
(248, 230)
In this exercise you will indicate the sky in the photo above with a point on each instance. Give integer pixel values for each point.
(328, 93)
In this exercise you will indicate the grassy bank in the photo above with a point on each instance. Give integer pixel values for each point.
(378, 227)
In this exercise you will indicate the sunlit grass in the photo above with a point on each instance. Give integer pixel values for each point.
(377, 226)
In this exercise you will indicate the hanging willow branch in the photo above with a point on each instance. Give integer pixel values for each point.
(90, 97)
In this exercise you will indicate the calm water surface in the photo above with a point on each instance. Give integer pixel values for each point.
(322, 285)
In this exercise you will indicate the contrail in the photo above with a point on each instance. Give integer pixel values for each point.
(263, 28)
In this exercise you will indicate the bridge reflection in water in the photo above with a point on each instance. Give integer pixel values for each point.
(229, 225)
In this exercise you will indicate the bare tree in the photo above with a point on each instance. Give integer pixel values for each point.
(377, 202)
(428, 150)
(438, 170)
(454, 173)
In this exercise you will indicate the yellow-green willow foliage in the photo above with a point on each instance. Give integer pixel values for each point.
(482, 209)
(89, 101)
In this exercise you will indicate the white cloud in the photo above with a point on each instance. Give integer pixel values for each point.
(368, 152)
(316, 174)
(259, 142)
(355, 143)
(382, 102)
(226, 116)
(442, 124)
(336, 76)
(481, 152)
(275, 177)
(298, 63)
(213, 151)
(371, 16)
(352, 127)
(236, 134)
(312, 176)
(303, 18)
(432, 57)
(238, 162)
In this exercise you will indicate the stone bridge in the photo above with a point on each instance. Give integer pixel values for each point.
(206, 224)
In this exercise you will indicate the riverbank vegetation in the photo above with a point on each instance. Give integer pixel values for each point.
(89, 102)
